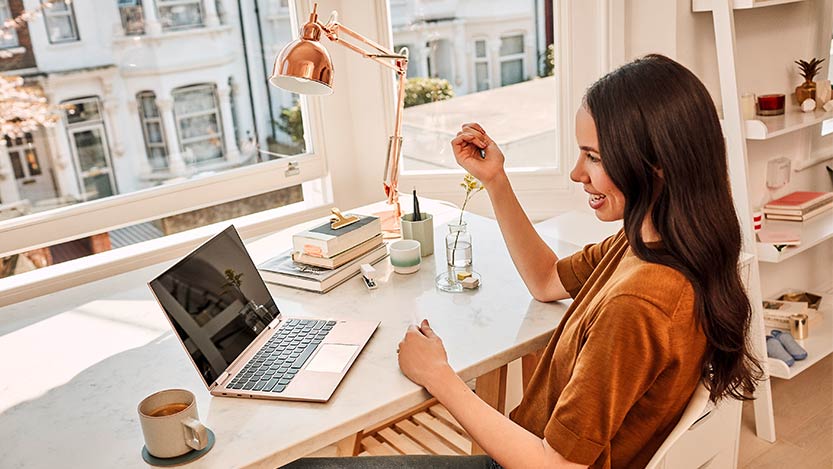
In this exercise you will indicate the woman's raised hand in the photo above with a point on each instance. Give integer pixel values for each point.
(468, 143)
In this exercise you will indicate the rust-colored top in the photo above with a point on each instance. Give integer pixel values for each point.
(622, 365)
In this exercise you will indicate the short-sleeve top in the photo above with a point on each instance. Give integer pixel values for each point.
(623, 363)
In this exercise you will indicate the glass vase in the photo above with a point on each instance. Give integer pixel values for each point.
(458, 254)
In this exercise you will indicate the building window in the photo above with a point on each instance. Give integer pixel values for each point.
(132, 17)
(23, 156)
(198, 121)
(180, 14)
(9, 37)
(481, 65)
(155, 145)
(88, 142)
(60, 21)
(511, 59)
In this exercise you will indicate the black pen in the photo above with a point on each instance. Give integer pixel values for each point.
(417, 215)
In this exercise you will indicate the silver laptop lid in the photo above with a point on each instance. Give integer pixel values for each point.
(216, 302)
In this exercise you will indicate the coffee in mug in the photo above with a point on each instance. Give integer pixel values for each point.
(170, 423)
(168, 409)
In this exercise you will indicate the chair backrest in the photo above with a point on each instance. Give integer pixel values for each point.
(696, 408)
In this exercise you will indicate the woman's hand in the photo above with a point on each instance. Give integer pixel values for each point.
(467, 146)
(422, 356)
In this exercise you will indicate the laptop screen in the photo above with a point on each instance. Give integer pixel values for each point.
(216, 301)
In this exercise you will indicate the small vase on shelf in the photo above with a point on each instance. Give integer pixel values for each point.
(808, 70)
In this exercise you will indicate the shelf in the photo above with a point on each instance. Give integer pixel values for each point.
(764, 128)
(818, 344)
(706, 5)
(813, 232)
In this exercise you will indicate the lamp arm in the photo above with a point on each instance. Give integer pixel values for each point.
(399, 64)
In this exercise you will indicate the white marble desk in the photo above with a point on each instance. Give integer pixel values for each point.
(74, 365)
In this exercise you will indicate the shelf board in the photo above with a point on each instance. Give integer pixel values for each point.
(818, 344)
(707, 5)
(764, 127)
(817, 230)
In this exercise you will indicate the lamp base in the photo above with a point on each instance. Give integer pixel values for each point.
(391, 225)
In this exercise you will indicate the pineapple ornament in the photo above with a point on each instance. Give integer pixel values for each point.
(807, 90)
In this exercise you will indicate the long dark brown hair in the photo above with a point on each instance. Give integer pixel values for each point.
(653, 116)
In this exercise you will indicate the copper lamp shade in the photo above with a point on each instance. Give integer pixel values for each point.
(304, 65)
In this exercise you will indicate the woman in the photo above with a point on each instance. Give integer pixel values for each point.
(658, 308)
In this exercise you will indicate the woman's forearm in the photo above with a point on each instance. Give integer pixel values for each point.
(532, 257)
(506, 442)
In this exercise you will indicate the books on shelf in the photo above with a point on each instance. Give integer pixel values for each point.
(282, 270)
(780, 237)
(799, 206)
(325, 242)
(777, 313)
(341, 258)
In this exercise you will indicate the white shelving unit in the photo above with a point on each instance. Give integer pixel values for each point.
(708, 5)
(738, 133)
(813, 232)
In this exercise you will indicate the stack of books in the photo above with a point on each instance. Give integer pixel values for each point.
(323, 258)
(799, 206)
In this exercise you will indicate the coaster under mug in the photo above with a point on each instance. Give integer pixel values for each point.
(179, 460)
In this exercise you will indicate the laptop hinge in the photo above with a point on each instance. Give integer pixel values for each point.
(222, 379)
(274, 323)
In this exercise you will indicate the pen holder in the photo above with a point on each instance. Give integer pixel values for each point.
(422, 231)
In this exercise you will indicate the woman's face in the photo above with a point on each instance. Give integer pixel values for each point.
(605, 198)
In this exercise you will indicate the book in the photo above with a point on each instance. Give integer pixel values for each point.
(323, 241)
(341, 258)
(777, 313)
(811, 208)
(282, 270)
(779, 237)
(799, 201)
(802, 217)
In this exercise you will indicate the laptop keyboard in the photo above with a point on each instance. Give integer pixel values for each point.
(280, 358)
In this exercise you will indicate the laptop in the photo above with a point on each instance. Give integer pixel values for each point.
(237, 338)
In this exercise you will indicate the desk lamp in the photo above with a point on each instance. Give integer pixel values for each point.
(304, 67)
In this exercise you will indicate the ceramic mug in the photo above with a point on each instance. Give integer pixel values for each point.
(405, 256)
(170, 423)
(422, 231)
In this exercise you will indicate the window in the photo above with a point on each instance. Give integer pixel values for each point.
(184, 145)
(91, 152)
(154, 132)
(9, 39)
(512, 60)
(132, 17)
(481, 65)
(25, 163)
(198, 123)
(180, 14)
(60, 21)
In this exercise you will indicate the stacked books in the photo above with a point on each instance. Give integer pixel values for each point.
(799, 206)
(323, 258)
(777, 313)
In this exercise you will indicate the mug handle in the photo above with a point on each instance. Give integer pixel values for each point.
(196, 435)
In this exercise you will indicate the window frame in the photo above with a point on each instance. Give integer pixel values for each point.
(6, 14)
(146, 122)
(216, 112)
(76, 221)
(172, 3)
(481, 60)
(513, 57)
(49, 13)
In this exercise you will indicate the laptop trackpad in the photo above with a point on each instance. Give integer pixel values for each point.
(332, 358)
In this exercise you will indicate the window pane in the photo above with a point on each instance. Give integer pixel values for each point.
(447, 88)
(482, 73)
(200, 101)
(180, 16)
(480, 49)
(17, 165)
(32, 162)
(511, 72)
(511, 45)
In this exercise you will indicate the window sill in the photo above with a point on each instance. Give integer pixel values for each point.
(212, 31)
(69, 274)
